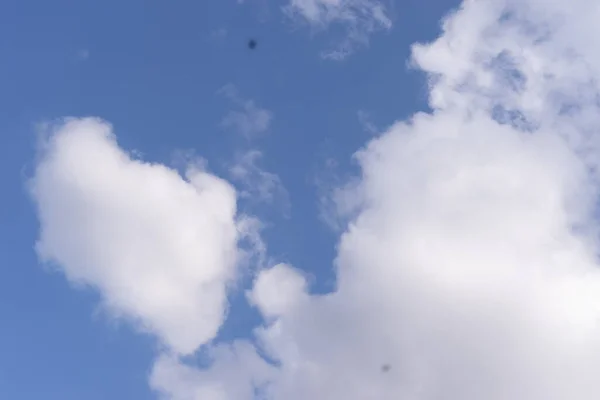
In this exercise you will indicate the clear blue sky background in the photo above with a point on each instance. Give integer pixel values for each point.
(153, 69)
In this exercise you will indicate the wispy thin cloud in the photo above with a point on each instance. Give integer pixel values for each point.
(358, 18)
(247, 118)
(365, 121)
(256, 184)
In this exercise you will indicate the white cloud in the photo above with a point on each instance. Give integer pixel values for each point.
(360, 19)
(249, 120)
(237, 363)
(471, 268)
(256, 183)
(278, 290)
(160, 249)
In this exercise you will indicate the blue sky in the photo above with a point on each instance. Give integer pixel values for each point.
(280, 125)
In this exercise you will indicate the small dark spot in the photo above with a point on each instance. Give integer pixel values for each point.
(386, 368)
(252, 44)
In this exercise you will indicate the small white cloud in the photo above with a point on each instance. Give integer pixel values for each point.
(257, 184)
(159, 248)
(277, 290)
(249, 120)
(359, 18)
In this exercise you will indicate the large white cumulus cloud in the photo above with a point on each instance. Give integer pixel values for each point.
(470, 270)
(462, 276)
(159, 248)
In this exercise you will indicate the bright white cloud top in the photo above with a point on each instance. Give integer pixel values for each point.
(468, 269)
